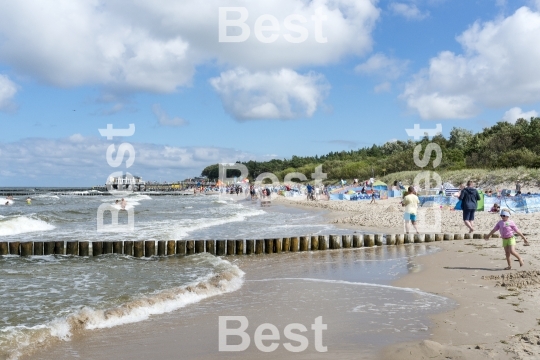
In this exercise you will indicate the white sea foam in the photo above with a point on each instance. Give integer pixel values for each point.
(343, 282)
(129, 205)
(4, 200)
(23, 224)
(28, 339)
(49, 196)
(140, 197)
(203, 223)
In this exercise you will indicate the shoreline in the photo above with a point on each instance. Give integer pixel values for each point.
(455, 272)
(490, 321)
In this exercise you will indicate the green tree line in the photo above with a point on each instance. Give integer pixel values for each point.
(504, 145)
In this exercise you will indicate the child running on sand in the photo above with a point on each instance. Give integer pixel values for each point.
(507, 228)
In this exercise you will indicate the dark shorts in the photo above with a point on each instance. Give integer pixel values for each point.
(468, 215)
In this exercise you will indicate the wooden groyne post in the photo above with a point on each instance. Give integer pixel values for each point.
(161, 248)
(220, 247)
(38, 248)
(138, 249)
(358, 240)
(107, 247)
(250, 247)
(314, 243)
(72, 248)
(84, 248)
(14, 248)
(26, 248)
(210, 248)
(181, 247)
(128, 248)
(294, 244)
(239, 247)
(304, 243)
(4, 248)
(117, 247)
(97, 248)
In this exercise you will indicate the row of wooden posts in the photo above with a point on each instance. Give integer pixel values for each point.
(220, 247)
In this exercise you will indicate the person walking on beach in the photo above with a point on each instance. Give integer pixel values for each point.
(372, 197)
(309, 190)
(518, 187)
(469, 198)
(410, 201)
(507, 228)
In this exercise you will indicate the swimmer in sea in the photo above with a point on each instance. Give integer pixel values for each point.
(123, 204)
(29, 201)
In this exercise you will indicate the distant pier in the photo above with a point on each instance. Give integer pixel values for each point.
(153, 190)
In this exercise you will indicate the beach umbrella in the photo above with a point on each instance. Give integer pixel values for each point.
(379, 185)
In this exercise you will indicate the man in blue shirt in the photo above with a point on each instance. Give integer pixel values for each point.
(469, 198)
(309, 190)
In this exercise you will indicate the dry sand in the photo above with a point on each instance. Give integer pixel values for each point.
(498, 316)
(387, 216)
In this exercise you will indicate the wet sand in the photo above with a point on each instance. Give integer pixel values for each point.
(342, 286)
(497, 317)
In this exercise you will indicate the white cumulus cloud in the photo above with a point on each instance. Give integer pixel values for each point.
(498, 68)
(156, 46)
(164, 119)
(381, 65)
(408, 11)
(515, 113)
(8, 89)
(282, 94)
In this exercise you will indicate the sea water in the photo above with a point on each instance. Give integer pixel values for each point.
(56, 297)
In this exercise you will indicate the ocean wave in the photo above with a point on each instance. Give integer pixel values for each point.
(23, 224)
(206, 222)
(138, 197)
(18, 340)
(4, 200)
(344, 282)
(45, 196)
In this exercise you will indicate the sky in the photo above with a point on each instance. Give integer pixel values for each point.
(226, 81)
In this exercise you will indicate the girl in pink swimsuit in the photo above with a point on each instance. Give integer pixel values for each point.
(507, 228)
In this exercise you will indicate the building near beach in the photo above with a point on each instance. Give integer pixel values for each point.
(126, 182)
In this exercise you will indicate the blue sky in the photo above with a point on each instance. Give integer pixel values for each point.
(69, 68)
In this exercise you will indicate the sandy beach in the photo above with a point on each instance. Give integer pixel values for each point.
(494, 313)
(497, 316)
(387, 216)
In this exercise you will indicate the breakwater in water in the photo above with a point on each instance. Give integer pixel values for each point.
(149, 248)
